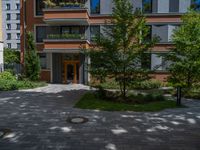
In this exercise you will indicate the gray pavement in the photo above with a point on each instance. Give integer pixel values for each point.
(38, 117)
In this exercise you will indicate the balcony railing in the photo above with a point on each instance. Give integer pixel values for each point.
(67, 36)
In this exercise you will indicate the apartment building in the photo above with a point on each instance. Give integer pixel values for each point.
(1, 40)
(11, 23)
(62, 30)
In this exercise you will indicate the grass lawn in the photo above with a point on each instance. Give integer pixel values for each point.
(89, 101)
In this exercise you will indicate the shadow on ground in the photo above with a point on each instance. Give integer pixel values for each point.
(38, 122)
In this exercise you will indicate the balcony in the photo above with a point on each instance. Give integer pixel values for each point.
(72, 43)
(69, 12)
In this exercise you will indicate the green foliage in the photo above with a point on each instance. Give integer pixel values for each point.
(147, 85)
(193, 93)
(7, 76)
(89, 101)
(119, 51)
(185, 58)
(11, 56)
(9, 82)
(32, 62)
(66, 36)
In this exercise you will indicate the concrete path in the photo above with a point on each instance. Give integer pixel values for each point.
(38, 117)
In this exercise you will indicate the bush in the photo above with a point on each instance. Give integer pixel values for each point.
(146, 85)
(6, 75)
(9, 82)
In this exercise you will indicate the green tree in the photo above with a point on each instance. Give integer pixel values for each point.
(32, 62)
(185, 57)
(121, 47)
(11, 56)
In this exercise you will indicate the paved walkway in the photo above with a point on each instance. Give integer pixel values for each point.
(37, 119)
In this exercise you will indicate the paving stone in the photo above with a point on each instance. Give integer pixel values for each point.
(37, 118)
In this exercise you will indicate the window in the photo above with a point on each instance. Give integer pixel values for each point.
(149, 35)
(94, 31)
(7, 6)
(18, 36)
(18, 6)
(39, 6)
(7, 16)
(195, 4)
(73, 30)
(146, 61)
(8, 36)
(174, 6)
(8, 26)
(9, 45)
(17, 16)
(43, 60)
(17, 26)
(40, 33)
(159, 62)
(147, 6)
(95, 6)
(18, 46)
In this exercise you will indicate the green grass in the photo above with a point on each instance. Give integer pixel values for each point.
(89, 101)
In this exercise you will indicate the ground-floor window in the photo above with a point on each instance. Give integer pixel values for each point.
(43, 60)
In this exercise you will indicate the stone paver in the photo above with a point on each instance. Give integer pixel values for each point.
(37, 118)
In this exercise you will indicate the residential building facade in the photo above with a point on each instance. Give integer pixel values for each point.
(60, 33)
(11, 23)
(1, 40)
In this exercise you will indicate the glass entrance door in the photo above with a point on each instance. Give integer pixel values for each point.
(71, 72)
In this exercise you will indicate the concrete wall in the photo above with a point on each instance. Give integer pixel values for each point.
(13, 11)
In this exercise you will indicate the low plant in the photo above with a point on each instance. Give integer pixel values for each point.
(146, 85)
(66, 36)
(10, 82)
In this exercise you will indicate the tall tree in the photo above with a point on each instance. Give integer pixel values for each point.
(185, 57)
(32, 62)
(121, 47)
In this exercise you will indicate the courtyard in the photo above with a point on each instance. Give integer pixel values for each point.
(37, 120)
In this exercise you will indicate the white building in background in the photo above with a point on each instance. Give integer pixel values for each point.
(11, 23)
(1, 39)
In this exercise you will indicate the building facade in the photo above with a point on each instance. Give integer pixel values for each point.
(1, 40)
(61, 31)
(11, 23)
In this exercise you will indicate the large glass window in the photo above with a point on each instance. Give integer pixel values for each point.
(17, 16)
(72, 30)
(39, 6)
(8, 36)
(95, 6)
(40, 33)
(94, 31)
(195, 4)
(146, 61)
(147, 6)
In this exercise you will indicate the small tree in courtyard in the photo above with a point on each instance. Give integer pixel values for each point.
(32, 63)
(185, 57)
(121, 47)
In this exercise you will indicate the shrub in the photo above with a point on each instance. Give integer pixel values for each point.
(6, 75)
(148, 84)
